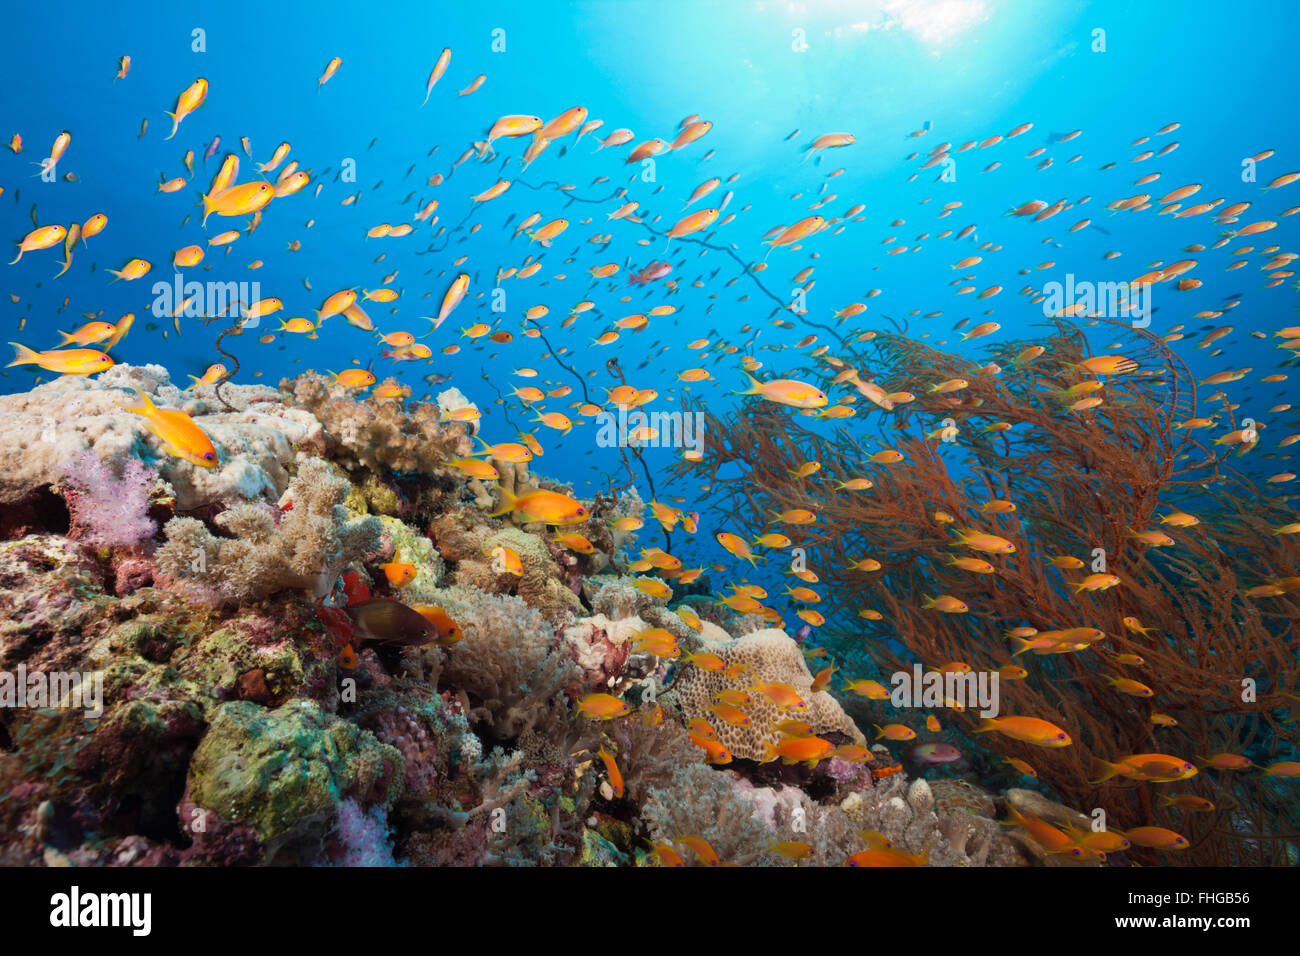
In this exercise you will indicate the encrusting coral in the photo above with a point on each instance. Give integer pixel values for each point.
(285, 772)
(43, 430)
(306, 546)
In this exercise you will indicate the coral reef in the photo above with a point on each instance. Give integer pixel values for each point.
(244, 719)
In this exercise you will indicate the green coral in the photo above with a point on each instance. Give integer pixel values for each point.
(219, 658)
(597, 851)
(284, 772)
(413, 548)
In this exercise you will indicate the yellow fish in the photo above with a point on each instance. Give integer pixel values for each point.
(43, 237)
(241, 200)
(63, 361)
(177, 431)
(550, 507)
(188, 102)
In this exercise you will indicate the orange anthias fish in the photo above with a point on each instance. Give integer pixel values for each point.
(887, 856)
(397, 573)
(700, 847)
(1030, 730)
(1045, 835)
(63, 361)
(1153, 768)
(447, 630)
(806, 750)
(190, 100)
(612, 771)
(549, 507)
(602, 707)
(177, 431)
(737, 546)
(42, 237)
(783, 695)
(787, 392)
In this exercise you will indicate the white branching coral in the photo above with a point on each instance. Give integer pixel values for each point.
(307, 547)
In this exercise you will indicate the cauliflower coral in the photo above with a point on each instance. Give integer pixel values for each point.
(308, 545)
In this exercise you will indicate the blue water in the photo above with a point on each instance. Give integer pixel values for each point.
(879, 70)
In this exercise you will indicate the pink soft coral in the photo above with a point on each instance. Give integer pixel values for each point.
(107, 510)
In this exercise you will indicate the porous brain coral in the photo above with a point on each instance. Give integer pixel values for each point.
(772, 657)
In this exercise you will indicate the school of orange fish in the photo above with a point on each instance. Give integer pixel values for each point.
(597, 301)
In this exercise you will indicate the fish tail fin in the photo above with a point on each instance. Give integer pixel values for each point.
(1022, 645)
(508, 503)
(880, 731)
(754, 385)
(21, 250)
(143, 410)
(23, 355)
(769, 752)
(208, 207)
(1109, 769)
(986, 724)
(66, 338)
(176, 124)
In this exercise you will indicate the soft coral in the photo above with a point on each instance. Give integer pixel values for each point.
(106, 509)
